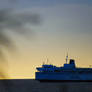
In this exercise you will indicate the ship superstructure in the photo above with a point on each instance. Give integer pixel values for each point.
(68, 72)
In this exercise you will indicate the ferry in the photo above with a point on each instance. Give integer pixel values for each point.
(66, 73)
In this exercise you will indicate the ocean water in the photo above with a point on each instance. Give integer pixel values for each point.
(31, 85)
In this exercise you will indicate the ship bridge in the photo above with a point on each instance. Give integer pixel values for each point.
(70, 65)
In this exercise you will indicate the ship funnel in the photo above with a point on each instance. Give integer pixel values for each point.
(72, 61)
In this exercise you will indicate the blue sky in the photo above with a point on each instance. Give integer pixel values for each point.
(32, 3)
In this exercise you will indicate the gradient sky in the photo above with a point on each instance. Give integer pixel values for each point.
(65, 25)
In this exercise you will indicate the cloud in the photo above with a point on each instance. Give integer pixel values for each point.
(15, 21)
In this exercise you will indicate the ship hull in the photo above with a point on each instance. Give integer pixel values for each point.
(63, 77)
(65, 80)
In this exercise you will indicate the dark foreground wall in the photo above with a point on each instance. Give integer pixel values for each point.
(30, 85)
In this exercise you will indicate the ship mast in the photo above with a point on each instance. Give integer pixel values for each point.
(67, 59)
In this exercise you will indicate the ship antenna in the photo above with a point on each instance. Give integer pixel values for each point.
(67, 59)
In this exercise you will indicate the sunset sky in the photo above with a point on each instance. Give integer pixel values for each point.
(64, 26)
